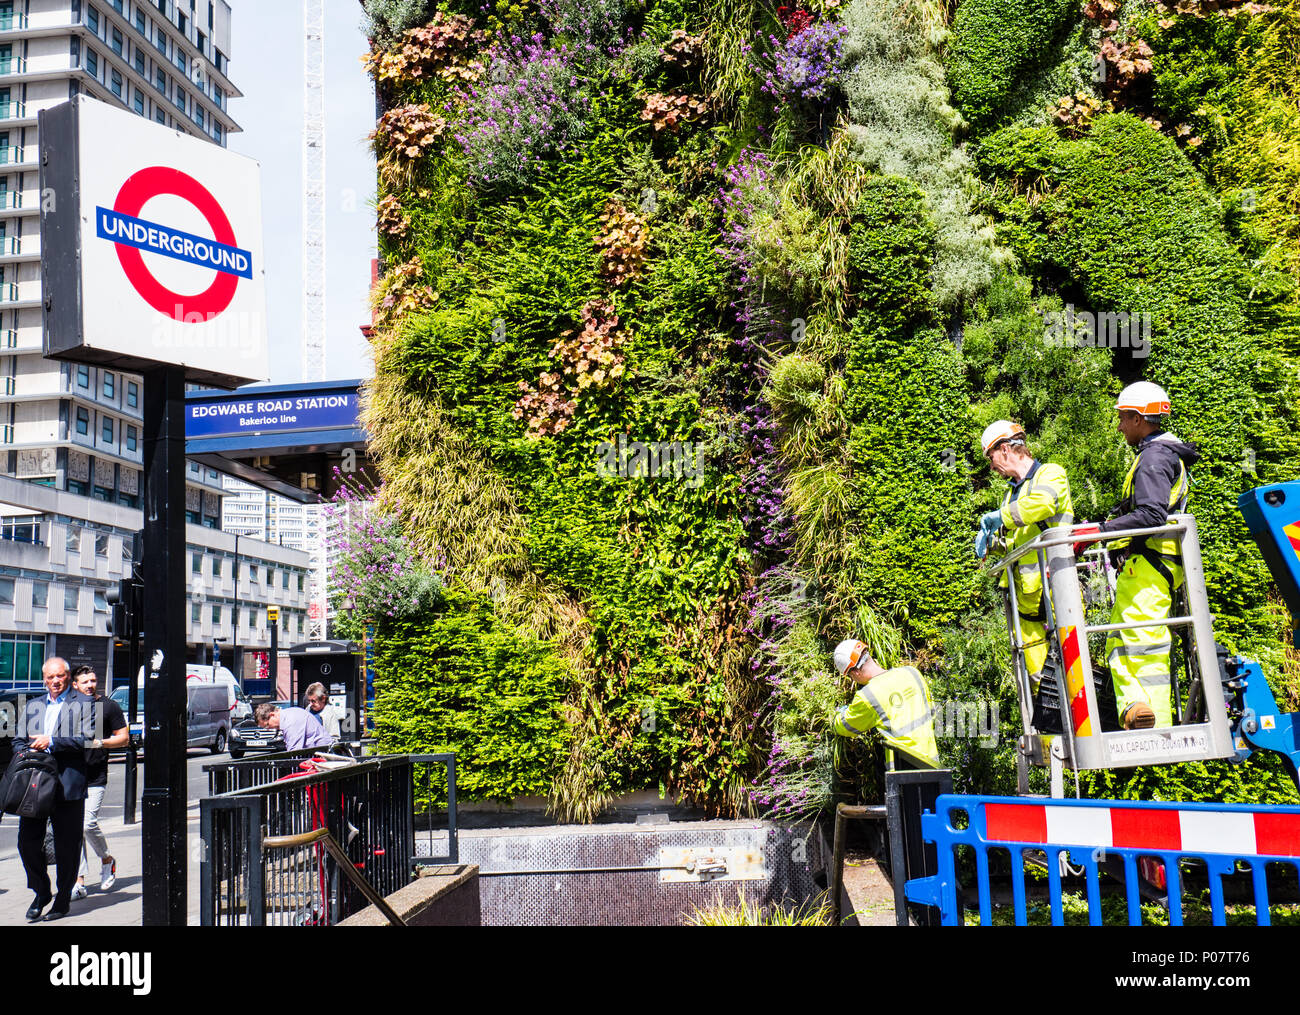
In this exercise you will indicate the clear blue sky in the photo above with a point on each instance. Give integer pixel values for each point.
(267, 66)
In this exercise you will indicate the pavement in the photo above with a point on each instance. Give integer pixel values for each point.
(121, 905)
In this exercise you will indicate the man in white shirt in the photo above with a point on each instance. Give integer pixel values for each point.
(318, 703)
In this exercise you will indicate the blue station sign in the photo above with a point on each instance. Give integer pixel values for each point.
(270, 412)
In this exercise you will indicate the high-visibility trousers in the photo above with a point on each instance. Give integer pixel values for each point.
(1034, 636)
(1139, 657)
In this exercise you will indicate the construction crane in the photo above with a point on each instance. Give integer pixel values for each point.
(313, 272)
(1229, 710)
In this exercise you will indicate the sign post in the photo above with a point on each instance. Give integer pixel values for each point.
(152, 263)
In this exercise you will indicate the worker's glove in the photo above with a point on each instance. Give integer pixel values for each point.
(989, 525)
(1084, 530)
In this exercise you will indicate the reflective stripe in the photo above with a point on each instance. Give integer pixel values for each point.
(874, 702)
(1016, 516)
(915, 724)
(842, 717)
(1153, 680)
(1064, 518)
(1155, 648)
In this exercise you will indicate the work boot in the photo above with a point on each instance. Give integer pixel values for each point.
(1138, 716)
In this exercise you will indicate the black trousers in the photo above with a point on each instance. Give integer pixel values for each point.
(67, 821)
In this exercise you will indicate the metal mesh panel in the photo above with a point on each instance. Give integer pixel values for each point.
(791, 857)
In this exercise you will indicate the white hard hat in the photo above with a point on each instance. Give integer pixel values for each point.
(1000, 430)
(848, 653)
(1145, 397)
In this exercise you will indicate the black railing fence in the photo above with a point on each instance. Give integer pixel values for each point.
(369, 808)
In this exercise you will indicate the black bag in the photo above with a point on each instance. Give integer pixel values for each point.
(31, 786)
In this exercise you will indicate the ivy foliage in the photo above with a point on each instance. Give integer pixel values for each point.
(457, 679)
(994, 46)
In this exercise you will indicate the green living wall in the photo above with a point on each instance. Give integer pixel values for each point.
(690, 317)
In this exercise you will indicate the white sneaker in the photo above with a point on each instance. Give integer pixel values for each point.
(78, 892)
(107, 874)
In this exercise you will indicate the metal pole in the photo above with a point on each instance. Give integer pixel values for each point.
(163, 838)
(130, 783)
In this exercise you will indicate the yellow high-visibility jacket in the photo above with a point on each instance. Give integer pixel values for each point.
(898, 701)
(1039, 501)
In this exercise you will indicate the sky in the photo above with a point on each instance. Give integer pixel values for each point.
(266, 64)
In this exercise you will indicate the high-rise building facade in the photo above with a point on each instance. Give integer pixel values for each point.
(78, 428)
(71, 436)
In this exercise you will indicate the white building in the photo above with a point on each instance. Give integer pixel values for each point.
(259, 514)
(71, 444)
(61, 553)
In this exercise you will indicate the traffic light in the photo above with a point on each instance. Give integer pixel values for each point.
(119, 601)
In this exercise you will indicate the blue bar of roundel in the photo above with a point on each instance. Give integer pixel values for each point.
(102, 214)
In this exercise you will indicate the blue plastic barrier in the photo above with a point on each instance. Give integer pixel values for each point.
(1099, 831)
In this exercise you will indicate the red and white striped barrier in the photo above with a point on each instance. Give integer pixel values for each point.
(1230, 832)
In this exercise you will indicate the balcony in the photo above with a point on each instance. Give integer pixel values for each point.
(12, 21)
(8, 292)
(14, 65)
(13, 110)
(10, 199)
(11, 155)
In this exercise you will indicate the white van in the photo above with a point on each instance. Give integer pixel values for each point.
(197, 674)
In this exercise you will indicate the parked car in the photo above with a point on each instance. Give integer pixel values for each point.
(207, 716)
(248, 736)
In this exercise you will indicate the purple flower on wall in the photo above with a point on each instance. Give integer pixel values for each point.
(808, 65)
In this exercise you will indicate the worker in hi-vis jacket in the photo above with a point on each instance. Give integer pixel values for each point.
(896, 700)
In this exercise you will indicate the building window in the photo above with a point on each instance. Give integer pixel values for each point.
(216, 613)
(83, 377)
(216, 567)
(21, 659)
(131, 441)
(106, 432)
(92, 20)
(40, 595)
(284, 576)
(72, 541)
(196, 563)
(77, 487)
(300, 583)
(140, 22)
(139, 102)
(159, 114)
(110, 385)
(71, 597)
(139, 62)
(102, 493)
(117, 42)
(6, 592)
(132, 394)
(252, 573)
(101, 544)
(160, 81)
(83, 421)
(92, 63)
(126, 500)
(22, 529)
(101, 601)
(116, 86)
(198, 114)
(194, 613)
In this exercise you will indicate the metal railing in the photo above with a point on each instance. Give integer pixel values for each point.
(11, 155)
(13, 21)
(12, 110)
(1122, 838)
(14, 65)
(1201, 728)
(260, 866)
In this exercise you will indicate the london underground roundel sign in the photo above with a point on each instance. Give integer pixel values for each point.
(131, 234)
(151, 247)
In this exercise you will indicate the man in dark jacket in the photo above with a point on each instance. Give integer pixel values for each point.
(61, 722)
(1155, 487)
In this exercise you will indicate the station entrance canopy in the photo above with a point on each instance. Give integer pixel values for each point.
(286, 438)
